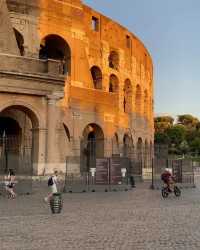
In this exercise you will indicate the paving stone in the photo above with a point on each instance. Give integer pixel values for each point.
(134, 220)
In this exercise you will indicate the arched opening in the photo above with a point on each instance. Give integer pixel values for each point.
(66, 131)
(127, 96)
(18, 140)
(64, 143)
(139, 156)
(146, 103)
(55, 47)
(92, 146)
(127, 146)
(138, 97)
(20, 41)
(113, 83)
(115, 145)
(146, 154)
(113, 60)
(97, 77)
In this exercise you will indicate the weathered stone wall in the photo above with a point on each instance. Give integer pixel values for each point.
(90, 46)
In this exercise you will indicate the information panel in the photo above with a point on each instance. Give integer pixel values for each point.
(115, 171)
(102, 171)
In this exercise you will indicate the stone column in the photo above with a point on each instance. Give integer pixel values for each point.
(39, 150)
(8, 43)
(53, 118)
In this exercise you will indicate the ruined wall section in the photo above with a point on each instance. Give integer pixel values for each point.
(135, 64)
(72, 21)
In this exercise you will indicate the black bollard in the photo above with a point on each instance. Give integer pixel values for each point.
(132, 181)
(56, 203)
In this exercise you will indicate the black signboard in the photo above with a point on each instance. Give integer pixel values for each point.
(102, 171)
(115, 171)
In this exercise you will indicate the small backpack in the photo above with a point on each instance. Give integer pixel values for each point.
(50, 181)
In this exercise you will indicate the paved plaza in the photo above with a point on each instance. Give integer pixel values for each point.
(138, 219)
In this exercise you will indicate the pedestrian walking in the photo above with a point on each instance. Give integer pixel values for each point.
(52, 184)
(10, 181)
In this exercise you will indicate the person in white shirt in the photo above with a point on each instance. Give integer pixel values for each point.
(52, 183)
(10, 183)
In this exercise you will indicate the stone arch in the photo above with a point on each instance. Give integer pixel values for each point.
(138, 97)
(64, 143)
(113, 83)
(146, 154)
(139, 156)
(127, 145)
(115, 144)
(92, 146)
(20, 41)
(113, 60)
(146, 103)
(66, 131)
(127, 96)
(19, 139)
(55, 47)
(33, 113)
(97, 77)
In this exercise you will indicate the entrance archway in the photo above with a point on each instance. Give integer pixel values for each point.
(127, 146)
(139, 159)
(18, 140)
(92, 146)
(96, 77)
(55, 47)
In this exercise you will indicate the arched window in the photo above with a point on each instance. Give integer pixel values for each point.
(115, 144)
(127, 96)
(97, 77)
(138, 97)
(20, 41)
(146, 154)
(146, 104)
(92, 146)
(113, 60)
(55, 47)
(66, 131)
(113, 83)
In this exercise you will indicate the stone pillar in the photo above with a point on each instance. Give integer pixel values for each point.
(8, 43)
(74, 164)
(39, 150)
(108, 147)
(53, 118)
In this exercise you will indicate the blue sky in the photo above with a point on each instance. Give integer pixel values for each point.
(170, 30)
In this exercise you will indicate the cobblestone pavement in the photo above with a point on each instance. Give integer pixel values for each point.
(138, 219)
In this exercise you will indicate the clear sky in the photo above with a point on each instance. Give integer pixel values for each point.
(170, 30)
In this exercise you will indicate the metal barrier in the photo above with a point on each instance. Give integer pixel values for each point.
(182, 170)
(109, 174)
(16, 154)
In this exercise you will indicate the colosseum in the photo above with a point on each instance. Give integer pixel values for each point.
(75, 86)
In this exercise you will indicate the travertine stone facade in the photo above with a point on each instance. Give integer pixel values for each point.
(77, 76)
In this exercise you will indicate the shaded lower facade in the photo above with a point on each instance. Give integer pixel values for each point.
(38, 136)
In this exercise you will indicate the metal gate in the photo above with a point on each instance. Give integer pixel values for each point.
(16, 154)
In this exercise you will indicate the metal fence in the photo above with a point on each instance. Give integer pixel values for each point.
(182, 169)
(16, 154)
(108, 174)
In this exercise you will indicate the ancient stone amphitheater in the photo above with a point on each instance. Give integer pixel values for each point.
(74, 86)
